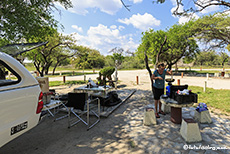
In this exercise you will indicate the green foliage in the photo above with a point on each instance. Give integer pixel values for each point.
(211, 58)
(88, 58)
(109, 61)
(107, 71)
(27, 19)
(213, 28)
(180, 43)
(151, 42)
(117, 55)
(132, 62)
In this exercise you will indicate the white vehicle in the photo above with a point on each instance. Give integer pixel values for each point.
(20, 99)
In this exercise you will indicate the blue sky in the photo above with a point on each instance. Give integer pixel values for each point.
(105, 24)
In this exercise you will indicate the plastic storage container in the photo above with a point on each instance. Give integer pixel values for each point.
(183, 99)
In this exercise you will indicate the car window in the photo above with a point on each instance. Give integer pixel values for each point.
(7, 75)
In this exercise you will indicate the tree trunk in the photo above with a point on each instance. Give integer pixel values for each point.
(149, 70)
(47, 66)
(55, 66)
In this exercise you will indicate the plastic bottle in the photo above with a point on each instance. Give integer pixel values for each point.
(168, 90)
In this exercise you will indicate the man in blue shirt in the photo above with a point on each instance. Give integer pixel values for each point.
(159, 85)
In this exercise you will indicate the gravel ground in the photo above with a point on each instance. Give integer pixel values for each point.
(122, 131)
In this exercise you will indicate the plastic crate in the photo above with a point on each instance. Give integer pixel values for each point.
(183, 99)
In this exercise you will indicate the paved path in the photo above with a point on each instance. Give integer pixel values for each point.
(165, 138)
(129, 78)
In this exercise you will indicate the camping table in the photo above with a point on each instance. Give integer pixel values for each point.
(100, 91)
(176, 111)
(96, 91)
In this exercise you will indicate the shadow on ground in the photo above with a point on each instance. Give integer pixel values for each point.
(121, 132)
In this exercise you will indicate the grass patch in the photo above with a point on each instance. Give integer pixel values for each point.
(132, 143)
(216, 98)
(59, 83)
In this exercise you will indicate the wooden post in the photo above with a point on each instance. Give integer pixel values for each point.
(182, 74)
(200, 68)
(205, 85)
(63, 79)
(84, 77)
(93, 70)
(178, 82)
(137, 80)
(73, 73)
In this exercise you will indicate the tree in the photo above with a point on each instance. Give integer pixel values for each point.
(213, 30)
(117, 55)
(88, 58)
(153, 44)
(223, 58)
(27, 18)
(179, 43)
(208, 58)
(197, 5)
(59, 45)
(167, 46)
(62, 57)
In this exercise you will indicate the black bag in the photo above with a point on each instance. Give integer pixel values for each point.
(110, 100)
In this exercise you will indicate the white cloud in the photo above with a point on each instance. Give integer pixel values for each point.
(142, 22)
(121, 27)
(136, 1)
(105, 38)
(107, 6)
(113, 27)
(79, 29)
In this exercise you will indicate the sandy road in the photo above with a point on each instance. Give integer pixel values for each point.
(129, 78)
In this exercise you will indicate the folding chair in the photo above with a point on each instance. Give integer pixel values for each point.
(53, 105)
(77, 101)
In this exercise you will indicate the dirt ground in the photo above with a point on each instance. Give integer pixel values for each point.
(108, 136)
